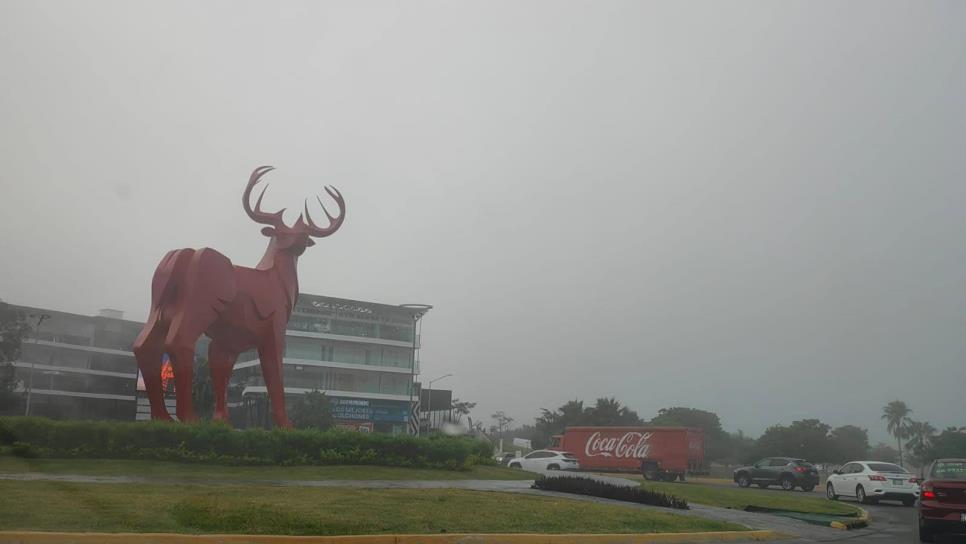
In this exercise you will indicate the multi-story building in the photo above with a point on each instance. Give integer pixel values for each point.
(78, 366)
(362, 355)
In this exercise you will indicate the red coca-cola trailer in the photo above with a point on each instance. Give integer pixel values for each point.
(659, 453)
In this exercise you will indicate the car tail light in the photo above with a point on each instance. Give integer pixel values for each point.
(913, 480)
(927, 491)
(800, 469)
(877, 477)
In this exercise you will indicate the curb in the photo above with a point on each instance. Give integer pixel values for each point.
(857, 523)
(35, 537)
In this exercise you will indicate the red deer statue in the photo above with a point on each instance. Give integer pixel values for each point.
(197, 292)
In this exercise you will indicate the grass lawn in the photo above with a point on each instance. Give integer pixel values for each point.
(58, 506)
(733, 497)
(186, 471)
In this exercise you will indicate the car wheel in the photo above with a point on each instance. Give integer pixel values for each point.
(650, 472)
(788, 484)
(744, 480)
(553, 467)
(830, 492)
(926, 534)
(908, 501)
(808, 488)
(515, 465)
(860, 495)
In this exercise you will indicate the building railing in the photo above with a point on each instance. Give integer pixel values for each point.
(358, 329)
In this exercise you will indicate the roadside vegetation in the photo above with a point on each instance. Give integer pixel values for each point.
(215, 443)
(173, 471)
(742, 499)
(596, 488)
(59, 506)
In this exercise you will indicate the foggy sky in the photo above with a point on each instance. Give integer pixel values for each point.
(754, 208)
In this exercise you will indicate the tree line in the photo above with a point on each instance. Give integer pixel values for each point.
(809, 439)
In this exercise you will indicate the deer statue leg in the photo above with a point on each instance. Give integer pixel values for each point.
(221, 361)
(270, 354)
(148, 350)
(183, 363)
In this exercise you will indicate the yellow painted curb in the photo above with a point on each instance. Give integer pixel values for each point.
(861, 521)
(34, 537)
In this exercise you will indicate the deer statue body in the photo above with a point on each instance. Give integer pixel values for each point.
(197, 292)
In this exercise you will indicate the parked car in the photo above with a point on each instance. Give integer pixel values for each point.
(541, 460)
(787, 472)
(942, 504)
(872, 481)
(505, 458)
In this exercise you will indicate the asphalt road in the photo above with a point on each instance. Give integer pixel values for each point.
(892, 523)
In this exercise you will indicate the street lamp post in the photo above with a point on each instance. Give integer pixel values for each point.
(419, 310)
(30, 379)
(429, 400)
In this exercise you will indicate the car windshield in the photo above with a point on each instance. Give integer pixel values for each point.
(887, 467)
(569, 456)
(949, 470)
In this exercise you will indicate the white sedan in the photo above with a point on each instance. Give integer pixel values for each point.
(871, 481)
(541, 460)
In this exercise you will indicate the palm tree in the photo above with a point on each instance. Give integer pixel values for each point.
(895, 413)
(919, 434)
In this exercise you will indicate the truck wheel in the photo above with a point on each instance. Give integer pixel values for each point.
(669, 476)
(650, 472)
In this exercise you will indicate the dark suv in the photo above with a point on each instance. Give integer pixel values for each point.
(787, 472)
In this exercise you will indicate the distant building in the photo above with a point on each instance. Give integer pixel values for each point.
(362, 355)
(78, 366)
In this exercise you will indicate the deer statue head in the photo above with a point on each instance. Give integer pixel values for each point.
(299, 236)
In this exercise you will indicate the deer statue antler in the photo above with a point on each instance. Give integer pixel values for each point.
(304, 223)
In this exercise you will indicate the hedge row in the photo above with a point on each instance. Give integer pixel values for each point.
(597, 488)
(220, 444)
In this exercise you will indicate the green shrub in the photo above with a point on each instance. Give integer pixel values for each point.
(597, 488)
(20, 449)
(219, 443)
(6, 435)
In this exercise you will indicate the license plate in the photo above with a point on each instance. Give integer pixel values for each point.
(898, 482)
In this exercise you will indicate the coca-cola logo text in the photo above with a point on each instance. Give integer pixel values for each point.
(629, 446)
